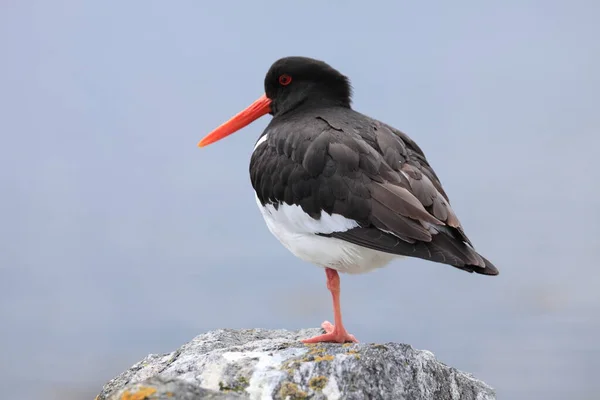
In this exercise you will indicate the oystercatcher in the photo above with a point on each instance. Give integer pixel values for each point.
(340, 189)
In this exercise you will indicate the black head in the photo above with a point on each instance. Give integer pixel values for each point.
(291, 83)
(300, 81)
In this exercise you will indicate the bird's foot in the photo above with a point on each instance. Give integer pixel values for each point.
(333, 335)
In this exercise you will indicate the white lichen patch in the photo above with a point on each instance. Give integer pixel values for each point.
(213, 374)
(423, 378)
(151, 366)
(336, 368)
(332, 390)
(454, 391)
(338, 363)
(426, 354)
(266, 374)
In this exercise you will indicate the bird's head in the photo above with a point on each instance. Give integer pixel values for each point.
(290, 83)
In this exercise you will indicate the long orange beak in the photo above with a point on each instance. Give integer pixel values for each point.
(254, 111)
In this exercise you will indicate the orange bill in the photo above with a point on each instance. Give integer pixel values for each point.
(254, 111)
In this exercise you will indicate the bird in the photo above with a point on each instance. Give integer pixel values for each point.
(342, 190)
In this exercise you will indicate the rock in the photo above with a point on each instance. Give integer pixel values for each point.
(273, 364)
(160, 388)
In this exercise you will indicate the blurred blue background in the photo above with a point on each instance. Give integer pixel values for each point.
(119, 237)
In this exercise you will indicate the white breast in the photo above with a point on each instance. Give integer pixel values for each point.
(297, 231)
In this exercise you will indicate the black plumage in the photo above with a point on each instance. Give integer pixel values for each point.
(322, 155)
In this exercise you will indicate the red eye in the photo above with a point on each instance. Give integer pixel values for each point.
(285, 79)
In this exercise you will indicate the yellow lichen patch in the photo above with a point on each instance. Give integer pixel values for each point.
(316, 354)
(291, 391)
(317, 350)
(239, 386)
(355, 353)
(317, 382)
(327, 357)
(347, 344)
(169, 394)
(141, 393)
(289, 366)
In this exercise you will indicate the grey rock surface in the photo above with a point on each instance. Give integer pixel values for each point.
(160, 388)
(273, 364)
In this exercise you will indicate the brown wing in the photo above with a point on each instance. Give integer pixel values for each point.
(410, 213)
(345, 163)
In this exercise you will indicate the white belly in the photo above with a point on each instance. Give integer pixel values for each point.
(296, 230)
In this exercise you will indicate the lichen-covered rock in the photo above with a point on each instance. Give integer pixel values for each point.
(159, 388)
(273, 364)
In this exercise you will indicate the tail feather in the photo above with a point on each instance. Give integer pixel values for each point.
(444, 248)
(490, 269)
(468, 259)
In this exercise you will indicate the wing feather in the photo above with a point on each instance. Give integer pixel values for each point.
(373, 174)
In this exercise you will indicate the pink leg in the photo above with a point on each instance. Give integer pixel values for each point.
(335, 333)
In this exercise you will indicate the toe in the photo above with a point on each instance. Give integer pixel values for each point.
(352, 338)
(332, 336)
(327, 326)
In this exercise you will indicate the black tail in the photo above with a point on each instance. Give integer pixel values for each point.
(445, 248)
(463, 256)
(489, 269)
